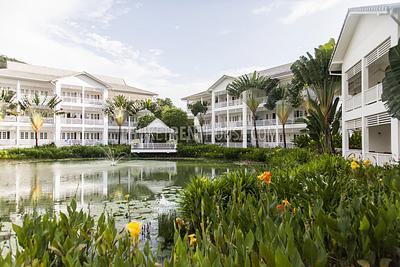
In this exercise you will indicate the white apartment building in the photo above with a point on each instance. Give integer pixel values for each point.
(361, 57)
(228, 121)
(83, 97)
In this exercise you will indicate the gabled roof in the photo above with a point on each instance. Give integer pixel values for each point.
(350, 24)
(47, 74)
(156, 126)
(202, 93)
(220, 80)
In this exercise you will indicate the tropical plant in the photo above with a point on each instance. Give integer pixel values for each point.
(145, 120)
(178, 119)
(38, 110)
(252, 85)
(148, 106)
(119, 108)
(391, 83)
(7, 105)
(283, 110)
(311, 72)
(199, 109)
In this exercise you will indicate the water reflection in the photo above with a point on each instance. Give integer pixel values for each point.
(49, 184)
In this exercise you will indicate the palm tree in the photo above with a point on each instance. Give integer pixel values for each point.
(38, 110)
(119, 108)
(199, 109)
(7, 105)
(390, 94)
(252, 84)
(283, 110)
(311, 72)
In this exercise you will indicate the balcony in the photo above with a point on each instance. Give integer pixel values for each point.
(113, 123)
(236, 102)
(220, 105)
(94, 122)
(264, 122)
(26, 119)
(97, 102)
(353, 102)
(220, 125)
(71, 99)
(9, 119)
(373, 94)
(235, 123)
(71, 121)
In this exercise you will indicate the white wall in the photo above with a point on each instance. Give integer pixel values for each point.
(379, 138)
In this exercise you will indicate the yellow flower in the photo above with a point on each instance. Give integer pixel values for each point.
(134, 230)
(180, 222)
(266, 177)
(354, 165)
(367, 163)
(285, 202)
(126, 196)
(192, 239)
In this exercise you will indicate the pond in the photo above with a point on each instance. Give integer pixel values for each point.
(151, 187)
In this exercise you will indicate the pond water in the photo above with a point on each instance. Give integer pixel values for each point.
(96, 185)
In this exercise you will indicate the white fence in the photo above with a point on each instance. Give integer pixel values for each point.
(373, 94)
(353, 102)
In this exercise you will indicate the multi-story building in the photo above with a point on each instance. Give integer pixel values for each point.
(228, 120)
(361, 58)
(83, 97)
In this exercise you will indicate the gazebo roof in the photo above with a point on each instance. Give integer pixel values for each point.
(156, 126)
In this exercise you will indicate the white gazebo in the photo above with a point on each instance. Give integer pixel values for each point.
(147, 139)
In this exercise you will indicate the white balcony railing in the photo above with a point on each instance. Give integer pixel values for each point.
(71, 120)
(71, 99)
(154, 146)
(220, 125)
(9, 119)
(94, 101)
(373, 94)
(26, 119)
(90, 142)
(264, 122)
(220, 105)
(235, 123)
(126, 123)
(236, 102)
(353, 102)
(379, 158)
(94, 122)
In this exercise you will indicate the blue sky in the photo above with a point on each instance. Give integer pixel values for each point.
(172, 47)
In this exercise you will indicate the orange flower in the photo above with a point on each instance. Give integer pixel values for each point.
(265, 177)
(285, 202)
(280, 207)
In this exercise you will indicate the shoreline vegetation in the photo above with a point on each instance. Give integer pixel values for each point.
(300, 209)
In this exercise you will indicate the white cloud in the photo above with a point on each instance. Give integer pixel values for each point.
(63, 34)
(263, 9)
(301, 8)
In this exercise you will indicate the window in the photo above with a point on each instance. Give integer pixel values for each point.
(32, 135)
(273, 116)
(298, 113)
(5, 135)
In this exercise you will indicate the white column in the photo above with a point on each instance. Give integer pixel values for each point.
(83, 116)
(213, 117)
(277, 139)
(345, 133)
(82, 189)
(57, 185)
(57, 120)
(105, 120)
(395, 136)
(19, 97)
(244, 118)
(227, 120)
(364, 87)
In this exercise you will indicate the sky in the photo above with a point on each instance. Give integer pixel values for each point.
(172, 47)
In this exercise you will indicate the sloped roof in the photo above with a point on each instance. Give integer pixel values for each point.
(47, 74)
(277, 71)
(156, 126)
(350, 24)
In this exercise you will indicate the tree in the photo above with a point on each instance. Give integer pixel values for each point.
(176, 118)
(7, 105)
(311, 73)
(119, 108)
(279, 99)
(252, 84)
(283, 110)
(38, 109)
(151, 107)
(199, 109)
(145, 120)
(391, 83)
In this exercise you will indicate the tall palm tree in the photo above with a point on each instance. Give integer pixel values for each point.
(283, 110)
(252, 84)
(118, 108)
(38, 110)
(7, 104)
(311, 72)
(390, 94)
(199, 109)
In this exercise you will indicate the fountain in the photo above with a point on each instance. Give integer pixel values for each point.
(111, 156)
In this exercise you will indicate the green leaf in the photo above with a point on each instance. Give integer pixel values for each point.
(249, 240)
(364, 224)
(363, 263)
